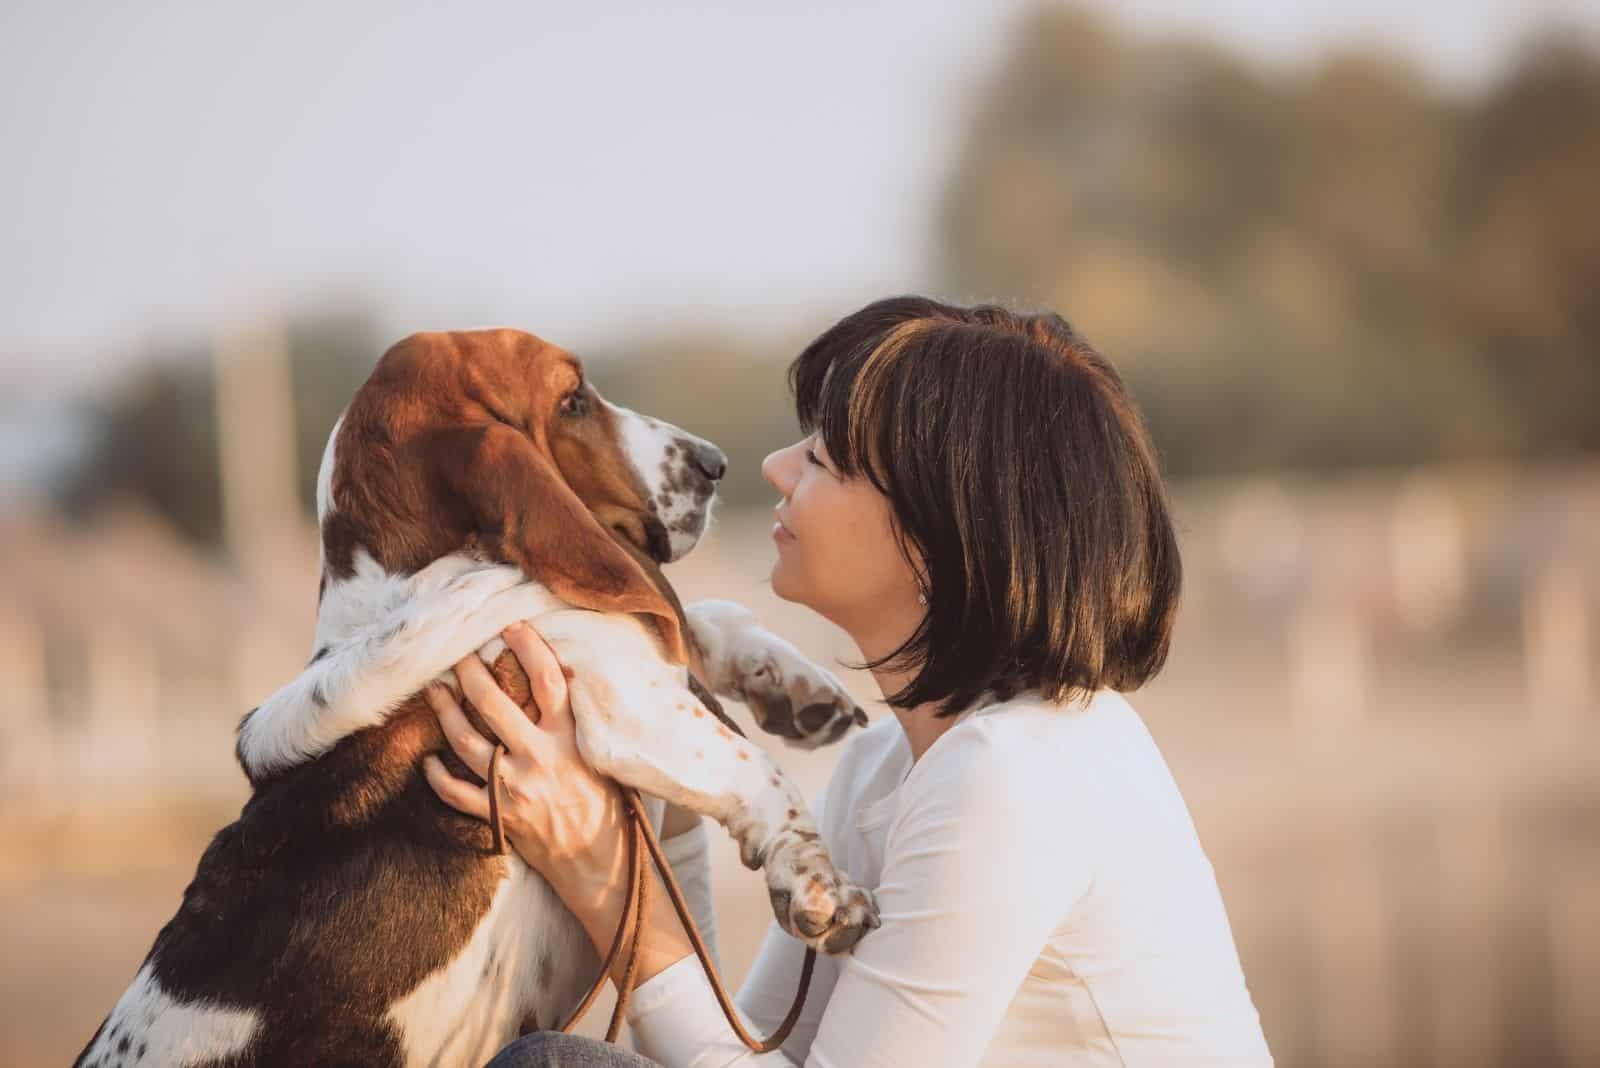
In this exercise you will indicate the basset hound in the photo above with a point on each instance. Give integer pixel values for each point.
(348, 917)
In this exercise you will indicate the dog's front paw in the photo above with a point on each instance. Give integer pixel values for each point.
(791, 697)
(815, 903)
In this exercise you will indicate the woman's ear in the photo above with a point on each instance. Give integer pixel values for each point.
(523, 508)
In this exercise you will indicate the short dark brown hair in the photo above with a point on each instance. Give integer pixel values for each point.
(1018, 467)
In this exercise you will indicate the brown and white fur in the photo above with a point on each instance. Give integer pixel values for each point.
(350, 917)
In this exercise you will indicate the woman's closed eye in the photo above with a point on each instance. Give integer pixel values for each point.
(811, 458)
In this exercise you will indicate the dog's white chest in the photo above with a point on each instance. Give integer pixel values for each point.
(527, 956)
(149, 1023)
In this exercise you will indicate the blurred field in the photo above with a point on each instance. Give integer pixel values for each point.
(1401, 804)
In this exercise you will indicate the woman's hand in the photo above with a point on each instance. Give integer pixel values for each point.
(561, 816)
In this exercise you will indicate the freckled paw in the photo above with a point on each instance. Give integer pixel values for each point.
(780, 905)
(751, 855)
(800, 702)
(811, 924)
(823, 723)
(824, 914)
(852, 920)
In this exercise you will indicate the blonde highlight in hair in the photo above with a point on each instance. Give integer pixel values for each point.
(867, 392)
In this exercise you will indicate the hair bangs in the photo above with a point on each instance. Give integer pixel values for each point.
(850, 388)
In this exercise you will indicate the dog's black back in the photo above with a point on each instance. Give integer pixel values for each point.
(342, 884)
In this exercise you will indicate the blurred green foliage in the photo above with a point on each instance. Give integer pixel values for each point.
(1340, 267)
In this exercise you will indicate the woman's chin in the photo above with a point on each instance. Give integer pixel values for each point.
(783, 584)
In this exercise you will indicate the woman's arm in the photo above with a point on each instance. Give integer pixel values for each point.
(982, 864)
(689, 856)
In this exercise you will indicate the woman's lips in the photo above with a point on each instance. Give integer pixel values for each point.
(781, 532)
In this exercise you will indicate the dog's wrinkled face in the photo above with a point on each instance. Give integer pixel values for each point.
(452, 429)
(648, 480)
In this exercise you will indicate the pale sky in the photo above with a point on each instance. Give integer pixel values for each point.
(588, 171)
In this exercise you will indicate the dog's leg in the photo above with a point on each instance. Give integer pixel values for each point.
(688, 758)
(789, 696)
(640, 725)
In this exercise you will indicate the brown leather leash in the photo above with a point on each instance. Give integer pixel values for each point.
(641, 837)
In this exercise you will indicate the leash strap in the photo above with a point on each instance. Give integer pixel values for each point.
(495, 826)
(642, 838)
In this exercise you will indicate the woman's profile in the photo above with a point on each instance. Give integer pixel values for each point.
(976, 502)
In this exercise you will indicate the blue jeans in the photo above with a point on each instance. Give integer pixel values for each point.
(552, 1049)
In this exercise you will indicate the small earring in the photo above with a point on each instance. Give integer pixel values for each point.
(922, 599)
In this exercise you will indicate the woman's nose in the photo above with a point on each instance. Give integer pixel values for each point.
(773, 469)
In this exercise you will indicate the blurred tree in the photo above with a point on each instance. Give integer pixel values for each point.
(1527, 209)
(1344, 267)
(156, 438)
(156, 443)
(330, 355)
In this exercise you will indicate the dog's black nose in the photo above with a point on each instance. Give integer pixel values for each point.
(709, 459)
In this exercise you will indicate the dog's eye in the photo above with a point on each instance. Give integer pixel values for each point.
(574, 403)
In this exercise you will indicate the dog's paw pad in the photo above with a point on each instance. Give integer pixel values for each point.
(823, 911)
(799, 702)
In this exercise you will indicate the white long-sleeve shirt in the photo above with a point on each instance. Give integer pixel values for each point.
(1045, 901)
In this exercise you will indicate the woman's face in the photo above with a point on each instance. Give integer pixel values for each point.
(837, 552)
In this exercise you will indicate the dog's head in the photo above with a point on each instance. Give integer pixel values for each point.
(494, 442)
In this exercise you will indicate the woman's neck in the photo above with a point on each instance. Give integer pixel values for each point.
(877, 638)
(921, 726)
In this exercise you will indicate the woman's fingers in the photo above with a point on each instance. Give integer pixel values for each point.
(502, 715)
(473, 748)
(459, 794)
(546, 677)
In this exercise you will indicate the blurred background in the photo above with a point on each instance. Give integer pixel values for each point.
(1347, 256)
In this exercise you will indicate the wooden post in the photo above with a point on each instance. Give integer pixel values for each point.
(256, 445)
(1574, 927)
(1427, 554)
(1556, 644)
(1467, 1023)
(122, 698)
(1352, 935)
(27, 735)
(1330, 670)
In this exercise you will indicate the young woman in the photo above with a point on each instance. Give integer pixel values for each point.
(977, 504)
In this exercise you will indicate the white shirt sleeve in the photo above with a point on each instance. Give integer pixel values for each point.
(689, 856)
(981, 866)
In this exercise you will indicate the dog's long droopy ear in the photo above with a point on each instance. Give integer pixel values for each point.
(520, 501)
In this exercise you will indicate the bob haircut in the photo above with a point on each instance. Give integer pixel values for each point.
(1020, 472)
